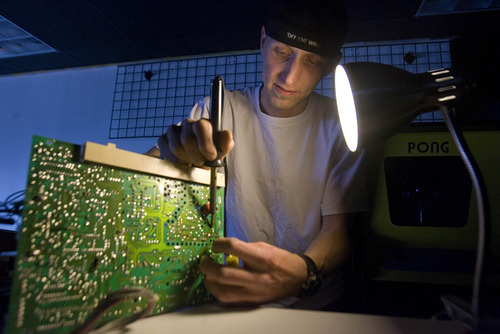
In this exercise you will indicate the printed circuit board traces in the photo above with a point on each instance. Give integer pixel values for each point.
(91, 228)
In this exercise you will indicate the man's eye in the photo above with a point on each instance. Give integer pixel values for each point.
(282, 53)
(313, 62)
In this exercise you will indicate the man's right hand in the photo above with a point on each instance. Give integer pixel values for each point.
(191, 143)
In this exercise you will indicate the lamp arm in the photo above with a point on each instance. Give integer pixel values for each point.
(482, 204)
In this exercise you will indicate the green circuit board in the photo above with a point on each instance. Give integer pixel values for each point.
(90, 229)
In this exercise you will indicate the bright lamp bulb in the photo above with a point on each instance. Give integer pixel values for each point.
(346, 108)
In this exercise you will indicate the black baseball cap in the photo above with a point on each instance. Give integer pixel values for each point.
(317, 26)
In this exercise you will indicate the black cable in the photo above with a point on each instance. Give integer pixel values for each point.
(11, 209)
(113, 299)
(482, 204)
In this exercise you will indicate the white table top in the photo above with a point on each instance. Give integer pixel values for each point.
(214, 318)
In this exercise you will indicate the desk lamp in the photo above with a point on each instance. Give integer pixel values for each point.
(375, 101)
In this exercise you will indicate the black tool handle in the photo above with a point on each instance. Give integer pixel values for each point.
(216, 105)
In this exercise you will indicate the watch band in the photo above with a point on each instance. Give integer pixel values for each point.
(313, 280)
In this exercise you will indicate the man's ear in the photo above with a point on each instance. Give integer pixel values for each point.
(332, 63)
(263, 37)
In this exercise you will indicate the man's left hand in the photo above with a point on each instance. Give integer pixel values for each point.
(268, 273)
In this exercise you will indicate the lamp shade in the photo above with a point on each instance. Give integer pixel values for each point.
(375, 100)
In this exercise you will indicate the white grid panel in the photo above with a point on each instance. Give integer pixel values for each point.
(145, 107)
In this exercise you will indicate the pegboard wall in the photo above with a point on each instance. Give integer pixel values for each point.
(150, 96)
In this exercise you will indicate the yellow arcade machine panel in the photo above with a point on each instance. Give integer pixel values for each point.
(423, 225)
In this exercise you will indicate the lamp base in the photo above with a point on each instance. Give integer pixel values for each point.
(458, 309)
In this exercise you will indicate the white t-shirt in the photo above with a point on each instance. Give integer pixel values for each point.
(284, 174)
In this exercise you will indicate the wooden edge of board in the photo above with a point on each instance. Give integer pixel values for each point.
(110, 155)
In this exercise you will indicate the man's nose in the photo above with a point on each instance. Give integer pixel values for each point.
(292, 70)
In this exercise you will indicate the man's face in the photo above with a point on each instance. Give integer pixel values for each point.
(289, 76)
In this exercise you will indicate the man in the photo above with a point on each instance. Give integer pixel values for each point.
(292, 183)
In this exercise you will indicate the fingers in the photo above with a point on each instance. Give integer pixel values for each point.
(192, 143)
(268, 273)
(225, 274)
(196, 141)
(229, 245)
(271, 275)
(255, 255)
(226, 142)
(228, 284)
(170, 146)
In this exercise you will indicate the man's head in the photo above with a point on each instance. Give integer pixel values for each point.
(317, 26)
(300, 44)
